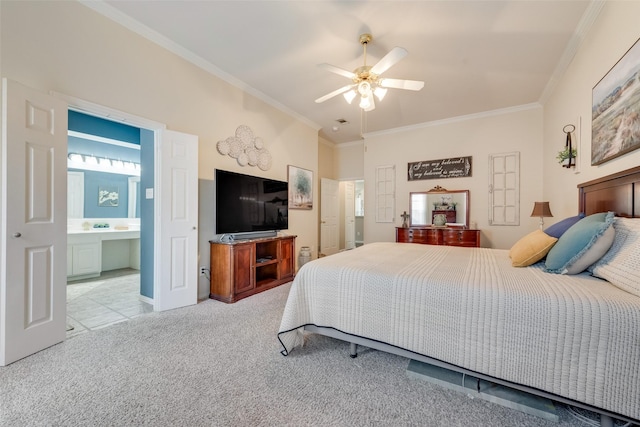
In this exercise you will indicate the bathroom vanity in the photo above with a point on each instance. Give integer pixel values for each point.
(101, 249)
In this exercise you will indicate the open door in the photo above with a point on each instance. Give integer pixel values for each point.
(33, 215)
(176, 281)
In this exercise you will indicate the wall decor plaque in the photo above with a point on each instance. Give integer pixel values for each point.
(454, 167)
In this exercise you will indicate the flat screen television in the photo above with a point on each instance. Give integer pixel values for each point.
(249, 204)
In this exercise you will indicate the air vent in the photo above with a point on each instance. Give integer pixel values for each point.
(342, 121)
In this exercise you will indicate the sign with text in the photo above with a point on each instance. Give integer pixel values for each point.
(455, 167)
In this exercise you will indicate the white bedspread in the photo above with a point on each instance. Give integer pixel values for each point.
(574, 336)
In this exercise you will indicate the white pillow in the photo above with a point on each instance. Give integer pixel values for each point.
(594, 253)
(621, 264)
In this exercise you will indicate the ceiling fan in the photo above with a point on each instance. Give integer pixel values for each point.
(367, 80)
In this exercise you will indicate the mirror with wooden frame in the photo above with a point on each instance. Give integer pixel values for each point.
(454, 204)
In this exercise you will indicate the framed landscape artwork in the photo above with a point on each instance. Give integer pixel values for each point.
(300, 188)
(615, 110)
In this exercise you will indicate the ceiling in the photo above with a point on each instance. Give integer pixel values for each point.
(474, 56)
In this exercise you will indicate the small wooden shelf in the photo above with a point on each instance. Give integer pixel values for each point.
(245, 267)
(263, 263)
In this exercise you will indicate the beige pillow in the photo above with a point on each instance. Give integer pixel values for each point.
(531, 248)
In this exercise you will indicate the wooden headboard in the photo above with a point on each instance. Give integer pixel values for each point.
(618, 192)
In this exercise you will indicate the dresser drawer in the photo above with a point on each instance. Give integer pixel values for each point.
(453, 237)
(426, 236)
(418, 235)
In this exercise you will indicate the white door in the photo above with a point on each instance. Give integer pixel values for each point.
(349, 215)
(176, 280)
(33, 242)
(329, 212)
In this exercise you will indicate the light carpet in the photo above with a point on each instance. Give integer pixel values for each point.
(216, 364)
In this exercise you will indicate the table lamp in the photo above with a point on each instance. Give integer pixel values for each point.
(542, 210)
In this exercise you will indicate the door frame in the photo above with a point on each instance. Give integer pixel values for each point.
(157, 128)
(324, 228)
(348, 208)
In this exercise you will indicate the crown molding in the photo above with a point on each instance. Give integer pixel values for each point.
(137, 27)
(457, 119)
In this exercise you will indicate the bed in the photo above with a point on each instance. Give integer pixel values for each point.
(574, 338)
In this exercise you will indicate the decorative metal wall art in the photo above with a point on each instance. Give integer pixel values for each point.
(246, 148)
(567, 157)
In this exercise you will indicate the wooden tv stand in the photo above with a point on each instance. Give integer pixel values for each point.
(243, 268)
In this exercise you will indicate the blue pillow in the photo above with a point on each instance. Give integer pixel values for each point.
(577, 240)
(558, 229)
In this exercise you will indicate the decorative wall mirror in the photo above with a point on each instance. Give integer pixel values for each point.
(454, 204)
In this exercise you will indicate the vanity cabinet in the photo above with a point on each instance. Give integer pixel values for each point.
(84, 256)
(245, 267)
(91, 252)
(447, 236)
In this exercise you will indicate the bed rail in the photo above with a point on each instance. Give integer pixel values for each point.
(606, 417)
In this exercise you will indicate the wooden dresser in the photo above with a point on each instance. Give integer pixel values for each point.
(448, 236)
(245, 267)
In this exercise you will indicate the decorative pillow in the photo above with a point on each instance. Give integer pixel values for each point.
(531, 248)
(566, 256)
(621, 265)
(559, 228)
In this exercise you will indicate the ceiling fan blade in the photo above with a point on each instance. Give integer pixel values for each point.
(334, 93)
(390, 59)
(402, 84)
(337, 70)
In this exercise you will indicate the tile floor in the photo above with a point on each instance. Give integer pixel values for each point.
(97, 303)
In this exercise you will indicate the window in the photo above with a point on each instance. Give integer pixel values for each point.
(385, 193)
(504, 189)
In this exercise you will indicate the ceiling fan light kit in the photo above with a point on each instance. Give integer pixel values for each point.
(367, 80)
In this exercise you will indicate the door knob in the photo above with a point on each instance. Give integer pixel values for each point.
(16, 235)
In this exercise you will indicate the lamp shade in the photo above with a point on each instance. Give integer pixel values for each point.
(541, 209)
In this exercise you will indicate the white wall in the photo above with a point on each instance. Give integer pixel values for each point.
(477, 136)
(68, 48)
(613, 33)
(350, 161)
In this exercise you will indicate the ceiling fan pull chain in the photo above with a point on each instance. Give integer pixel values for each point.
(364, 45)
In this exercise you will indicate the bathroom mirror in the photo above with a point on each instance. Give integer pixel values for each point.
(454, 204)
(86, 192)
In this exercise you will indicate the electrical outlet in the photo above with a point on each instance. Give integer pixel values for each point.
(203, 270)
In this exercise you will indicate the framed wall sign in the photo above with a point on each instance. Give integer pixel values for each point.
(454, 167)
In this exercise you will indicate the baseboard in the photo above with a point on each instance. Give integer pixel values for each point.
(145, 299)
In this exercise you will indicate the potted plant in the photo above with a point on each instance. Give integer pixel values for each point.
(563, 156)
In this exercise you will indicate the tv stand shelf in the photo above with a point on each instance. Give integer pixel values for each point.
(245, 267)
